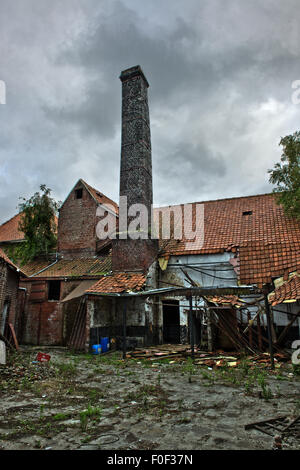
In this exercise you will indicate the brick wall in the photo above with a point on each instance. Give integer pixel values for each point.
(9, 281)
(45, 321)
(131, 255)
(77, 225)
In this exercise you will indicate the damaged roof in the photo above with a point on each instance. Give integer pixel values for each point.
(231, 300)
(288, 291)
(99, 197)
(118, 283)
(86, 267)
(260, 263)
(265, 240)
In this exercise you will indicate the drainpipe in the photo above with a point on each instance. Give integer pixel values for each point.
(47, 267)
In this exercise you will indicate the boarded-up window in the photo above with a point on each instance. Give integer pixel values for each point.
(38, 291)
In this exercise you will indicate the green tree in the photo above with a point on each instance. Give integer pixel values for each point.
(38, 222)
(286, 175)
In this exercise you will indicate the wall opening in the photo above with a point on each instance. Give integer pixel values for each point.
(78, 193)
(53, 290)
(171, 321)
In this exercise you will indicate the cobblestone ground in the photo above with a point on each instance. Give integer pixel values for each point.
(102, 402)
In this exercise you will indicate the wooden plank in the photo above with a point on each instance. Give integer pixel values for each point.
(12, 330)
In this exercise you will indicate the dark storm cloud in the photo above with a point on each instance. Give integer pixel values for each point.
(220, 74)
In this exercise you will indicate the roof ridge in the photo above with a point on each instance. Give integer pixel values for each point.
(98, 191)
(217, 200)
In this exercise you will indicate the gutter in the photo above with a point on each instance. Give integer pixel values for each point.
(242, 290)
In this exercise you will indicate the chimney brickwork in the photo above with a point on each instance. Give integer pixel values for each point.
(136, 170)
(136, 164)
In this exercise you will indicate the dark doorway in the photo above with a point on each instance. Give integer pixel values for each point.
(53, 290)
(171, 321)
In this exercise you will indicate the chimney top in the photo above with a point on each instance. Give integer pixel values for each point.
(133, 72)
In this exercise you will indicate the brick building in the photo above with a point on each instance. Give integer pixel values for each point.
(241, 241)
(81, 260)
(82, 293)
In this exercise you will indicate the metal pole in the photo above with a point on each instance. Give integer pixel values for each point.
(192, 327)
(267, 307)
(124, 327)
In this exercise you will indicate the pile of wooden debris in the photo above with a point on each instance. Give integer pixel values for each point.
(180, 353)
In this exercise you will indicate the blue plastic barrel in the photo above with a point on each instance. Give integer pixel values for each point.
(105, 344)
(96, 349)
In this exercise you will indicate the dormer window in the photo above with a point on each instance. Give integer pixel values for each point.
(247, 213)
(78, 193)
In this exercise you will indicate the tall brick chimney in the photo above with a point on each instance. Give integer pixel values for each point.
(136, 171)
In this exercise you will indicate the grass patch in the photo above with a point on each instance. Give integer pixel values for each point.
(65, 369)
(88, 414)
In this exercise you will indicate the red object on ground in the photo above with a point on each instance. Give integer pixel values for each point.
(43, 357)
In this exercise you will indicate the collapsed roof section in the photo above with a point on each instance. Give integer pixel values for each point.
(119, 283)
(286, 291)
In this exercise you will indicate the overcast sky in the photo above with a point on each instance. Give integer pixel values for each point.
(220, 74)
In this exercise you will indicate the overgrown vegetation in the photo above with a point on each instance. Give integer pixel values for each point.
(286, 175)
(38, 223)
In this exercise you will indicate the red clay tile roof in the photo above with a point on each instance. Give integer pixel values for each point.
(100, 198)
(228, 300)
(118, 282)
(290, 290)
(225, 226)
(86, 268)
(268, 241)
(9, 231)
(260, 263)
(6, 259)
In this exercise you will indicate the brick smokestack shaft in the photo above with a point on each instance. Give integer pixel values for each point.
(136, 163)
(136, 171)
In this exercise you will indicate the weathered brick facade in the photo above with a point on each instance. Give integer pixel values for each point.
(46, 321)
(77, 224)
